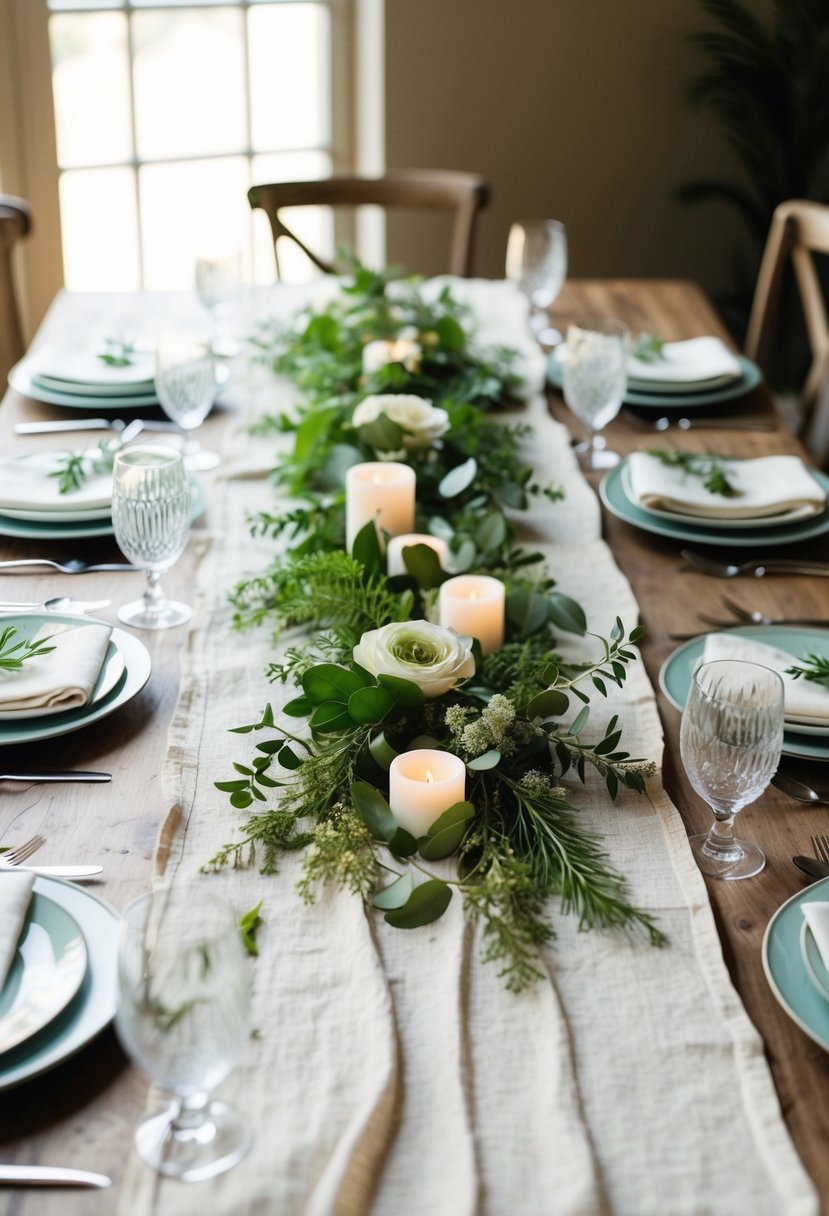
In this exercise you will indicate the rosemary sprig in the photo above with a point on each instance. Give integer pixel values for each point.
(815, 669)
(76, 467)
(648, 348)
(120, 353)
(699, 464)
(14, 654)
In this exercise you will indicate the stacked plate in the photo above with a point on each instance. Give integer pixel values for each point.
(124, 671)
(32, 506)
(85, 380)
(803, 740)
(794, 967)
(60, 989)
(693, 374)
(801, 519)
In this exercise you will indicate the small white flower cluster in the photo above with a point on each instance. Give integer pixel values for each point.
(492, 729)
(539, 784)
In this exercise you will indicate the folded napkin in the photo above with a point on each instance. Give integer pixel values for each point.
(63, 678)
(15, 894)
(25, 484)
(817, 918)
(763, 487)
(693, 361)
(79, 368)
(804, 701)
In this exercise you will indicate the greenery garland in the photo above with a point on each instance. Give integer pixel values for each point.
(378, 677)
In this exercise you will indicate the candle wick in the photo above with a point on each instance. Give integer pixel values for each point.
(429, 776)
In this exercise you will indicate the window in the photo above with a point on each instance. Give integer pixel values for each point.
(166, 113)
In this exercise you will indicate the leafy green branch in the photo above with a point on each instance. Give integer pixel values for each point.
(13, 654)
(711, 468)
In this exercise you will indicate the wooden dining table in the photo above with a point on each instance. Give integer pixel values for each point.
(84, 1112)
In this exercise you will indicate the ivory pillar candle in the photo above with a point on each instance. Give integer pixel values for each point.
(396, 545)
(422, 785)
(474, 604)
(382, 491)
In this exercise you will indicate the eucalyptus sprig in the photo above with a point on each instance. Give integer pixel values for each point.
(119, 354)
(711, 468)
(648, 348)
(13, 654)
(815, 668)
(75, 468)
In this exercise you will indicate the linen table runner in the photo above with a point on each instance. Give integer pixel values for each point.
(393, 1074)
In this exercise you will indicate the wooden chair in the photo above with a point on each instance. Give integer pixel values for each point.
(799, 229)
(15, 223)
(462, 193)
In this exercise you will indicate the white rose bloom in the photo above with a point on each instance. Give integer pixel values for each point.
(422, 422)
(430, 656)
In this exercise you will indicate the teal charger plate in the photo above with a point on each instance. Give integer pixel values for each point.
(675, 674)
(30, 529)
(786, 971)
(612, 494)
(749, 379)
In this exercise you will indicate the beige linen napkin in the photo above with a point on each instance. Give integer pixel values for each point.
(15, 894)
(763, 487)
(805, 702)
(25, 484)
(63, 678)
(817, 918)
(692, 361)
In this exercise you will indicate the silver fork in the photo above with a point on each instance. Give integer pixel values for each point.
(757, 618)
(757, 568)
(712, 424)
(72, 565)
(13, 857)
(820, 847)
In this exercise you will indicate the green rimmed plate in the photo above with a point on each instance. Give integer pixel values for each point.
(33, 529)
(785, 970)
(613, 495)
(137, 668)
(22, 380)
(92, 1007)
(750, 377)
(813, 962)
(45, 974)
(675, 676)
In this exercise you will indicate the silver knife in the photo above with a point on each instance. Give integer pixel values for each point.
(49, 1175)
(71, 775)
(70, 873)
(89, 424)
(811, 866)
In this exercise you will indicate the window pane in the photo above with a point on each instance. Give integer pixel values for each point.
(90, 81)
(189, 82)
(66, 5)
(100, 230)
(314, 225)
(188, 210)
(289, 76)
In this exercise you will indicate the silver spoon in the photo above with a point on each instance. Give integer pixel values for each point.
(799, 790)
(58, 603)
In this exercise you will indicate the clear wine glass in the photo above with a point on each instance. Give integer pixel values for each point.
(730, 741)
(185, 381)
(594, 381)
(151, 521)
(183, 1015)
(537, 265)
(218, 282)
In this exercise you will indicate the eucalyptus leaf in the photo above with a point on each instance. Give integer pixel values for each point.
(464, 556)
(459, 479)
(330, 717)
(300, 707)
(369, 706)
(551, 703)
(491, 531)
(450, 333)
(396, 894)
(423, 564)
(402, 843)
(442, 844)
(458, 812)
(374, 810)
(406, 694)
(527, 611)
(367, 551)
(330, 682)
(488, 760)
(427, 903)
(567, 614)
(340, 459)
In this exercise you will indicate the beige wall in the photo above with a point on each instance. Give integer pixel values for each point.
(573, 109)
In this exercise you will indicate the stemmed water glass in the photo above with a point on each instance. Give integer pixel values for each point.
(185, 381)
(151, 521)
(183, 1015)
(537, 265)
(730, 742)
(594, 381)
(218, 281)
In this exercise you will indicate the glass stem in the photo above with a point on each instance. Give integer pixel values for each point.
(191, 1112)
(721, 844)
(154, 597)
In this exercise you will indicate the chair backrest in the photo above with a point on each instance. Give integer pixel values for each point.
(799, 229)
(462, 193)
(15, 223)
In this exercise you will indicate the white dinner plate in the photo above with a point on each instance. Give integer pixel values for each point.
(112, 668)
(54, 384)
(137, 668)
(687, 517)
(22, 381)
(63, 509)
(56, 529)
(45, 974)
(92, 1007)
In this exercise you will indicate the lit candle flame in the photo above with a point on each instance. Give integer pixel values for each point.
(429, 776)
(377, 480)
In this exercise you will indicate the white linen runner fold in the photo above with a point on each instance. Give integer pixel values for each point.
(395, 1075)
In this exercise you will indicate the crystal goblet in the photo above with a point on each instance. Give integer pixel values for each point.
(594, 382)
(185, 381)
(151, 521)
(537, 265)
(183, 1015)
(730, 742)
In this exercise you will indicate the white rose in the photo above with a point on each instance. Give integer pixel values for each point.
(405, 350)
(422, 422)
(430, 656)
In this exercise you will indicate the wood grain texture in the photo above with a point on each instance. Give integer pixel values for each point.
(84, 1112)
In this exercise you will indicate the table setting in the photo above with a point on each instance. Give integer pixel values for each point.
(386, 1036)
